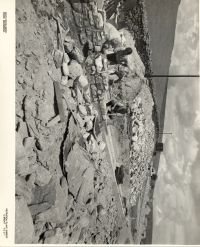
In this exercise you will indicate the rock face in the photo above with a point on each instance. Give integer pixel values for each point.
(57, 212)
(23, 222)
(76, 164)
(87, 187)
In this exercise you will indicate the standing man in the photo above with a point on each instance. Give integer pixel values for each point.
(120, 57)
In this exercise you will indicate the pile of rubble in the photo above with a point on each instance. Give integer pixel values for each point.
(76, 94)
(142, 143)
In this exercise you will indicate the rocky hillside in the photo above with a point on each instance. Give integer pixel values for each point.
(59, 164)
(153, 24)
(66, 189)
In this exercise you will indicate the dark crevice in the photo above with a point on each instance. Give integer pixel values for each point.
(23, 108)
(86, 49)
(61, 156)
(55, 105)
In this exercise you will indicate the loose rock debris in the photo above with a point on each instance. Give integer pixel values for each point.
(64, 186)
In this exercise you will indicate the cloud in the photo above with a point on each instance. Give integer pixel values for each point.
(177, 191)
(197, 121)
(186, 48)
(195, 178)
(183, 106)
(187, 99)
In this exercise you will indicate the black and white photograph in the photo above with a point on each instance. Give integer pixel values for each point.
(107, 122)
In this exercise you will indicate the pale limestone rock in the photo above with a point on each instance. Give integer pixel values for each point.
(83, 81)
(58, 58)
(66, 58)
(65, 69)
(77, 162)
(98, 63)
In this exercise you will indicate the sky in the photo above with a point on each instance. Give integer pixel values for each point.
(177, 191)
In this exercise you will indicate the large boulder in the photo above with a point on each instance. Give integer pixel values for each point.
(76, 165)
(83, 82)
(75, 69)
(87, 187)
(43, 198)
(112, 33)
(57, 213)
(58, 58)
(98, 20)
(65, 69)
(24, 229)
